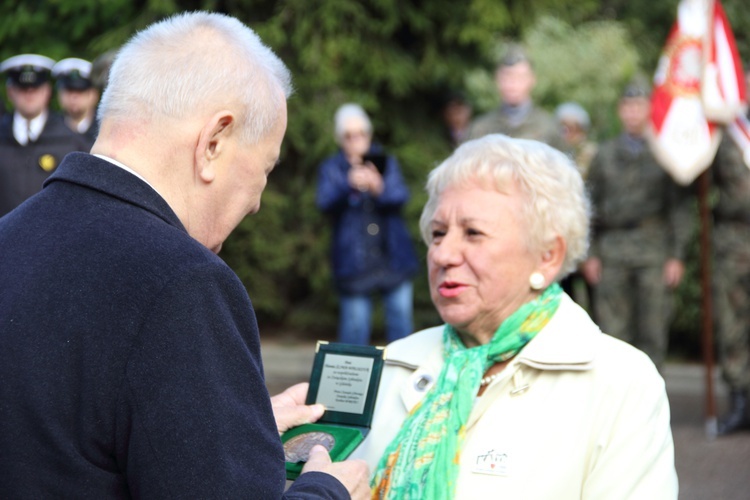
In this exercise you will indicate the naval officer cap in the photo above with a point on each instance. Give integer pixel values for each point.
(73, 74)
(27, 70)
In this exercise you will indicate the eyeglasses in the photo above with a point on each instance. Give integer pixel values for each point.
(355, 134)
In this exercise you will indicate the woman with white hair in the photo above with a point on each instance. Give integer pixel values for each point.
(574, 123)
(519, 394)
(361, 188)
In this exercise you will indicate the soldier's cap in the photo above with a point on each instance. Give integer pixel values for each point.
(636, 89)
(513, 55)
(27, 70)
(73, 74)
(573, 112)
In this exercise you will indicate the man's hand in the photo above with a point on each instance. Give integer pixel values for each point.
(353, 474)
(674, 270)
(289, 408)
(592, 270)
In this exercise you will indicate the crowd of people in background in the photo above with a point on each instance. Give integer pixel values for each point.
(640, 226)
(641, 223)
(130, 360)
(34, 137)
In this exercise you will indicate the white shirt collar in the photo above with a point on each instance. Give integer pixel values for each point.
(28, 130)
(84, 125)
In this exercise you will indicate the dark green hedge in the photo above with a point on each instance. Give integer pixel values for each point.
(396, 58)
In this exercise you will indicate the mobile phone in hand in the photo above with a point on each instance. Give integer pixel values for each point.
(377, 159)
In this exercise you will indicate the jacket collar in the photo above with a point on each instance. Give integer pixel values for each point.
(566, 343)
(94, 173)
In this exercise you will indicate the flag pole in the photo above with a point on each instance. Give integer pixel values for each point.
(707, 334)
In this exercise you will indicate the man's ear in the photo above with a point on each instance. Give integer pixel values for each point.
(211, 143)
(553, 257)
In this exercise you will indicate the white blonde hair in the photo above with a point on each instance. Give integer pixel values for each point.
(344, 114)
(194, 63)
(555, 202)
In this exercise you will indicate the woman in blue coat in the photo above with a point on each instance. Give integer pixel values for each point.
(372, 252)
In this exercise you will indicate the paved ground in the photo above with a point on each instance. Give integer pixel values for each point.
(717, 469)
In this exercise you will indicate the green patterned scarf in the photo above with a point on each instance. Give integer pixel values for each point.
(423, 459)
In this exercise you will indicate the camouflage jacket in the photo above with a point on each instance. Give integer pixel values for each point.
(731, 180)
(537, 124)
(641, 217)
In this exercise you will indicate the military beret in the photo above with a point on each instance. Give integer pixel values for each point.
(73, 74)
(513, 55)
(636, 88)
(574, 112)
(27, 70)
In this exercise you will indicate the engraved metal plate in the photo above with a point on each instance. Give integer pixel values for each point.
(297, 449)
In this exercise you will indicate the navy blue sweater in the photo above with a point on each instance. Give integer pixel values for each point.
(129, 353)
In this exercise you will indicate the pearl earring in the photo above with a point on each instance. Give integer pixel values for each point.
(536, 280)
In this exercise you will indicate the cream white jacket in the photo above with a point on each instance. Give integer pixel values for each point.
(577, 414)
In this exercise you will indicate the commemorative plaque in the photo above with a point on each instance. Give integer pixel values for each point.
(345, 380)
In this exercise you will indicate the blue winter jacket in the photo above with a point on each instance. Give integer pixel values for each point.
(357, 215)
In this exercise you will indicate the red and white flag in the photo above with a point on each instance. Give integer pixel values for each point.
(698, 87)
(682, 139)
(723, 88)
(739, 130)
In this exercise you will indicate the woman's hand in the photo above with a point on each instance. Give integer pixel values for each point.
(366, 178)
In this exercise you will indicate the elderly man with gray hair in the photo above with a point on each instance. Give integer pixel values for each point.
(129, 352)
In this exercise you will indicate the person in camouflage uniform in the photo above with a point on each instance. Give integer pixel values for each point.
(641, 223)
(516, 116)
(731, 241)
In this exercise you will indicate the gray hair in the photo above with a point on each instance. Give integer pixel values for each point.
(574, 112)
(193, 63)
(348, 112)
(555, 202)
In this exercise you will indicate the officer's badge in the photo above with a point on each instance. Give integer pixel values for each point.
(47, 162)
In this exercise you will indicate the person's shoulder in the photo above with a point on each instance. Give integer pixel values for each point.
(490, 122)
(414, 348)
(485, 119)
(573, 336)
(55, 130)
(55, 124)
(6, 132)
(606, 148)
(131, 223)
(6, 124)
(541, 114)
(615, 355)
(334, 160)
(621, 368)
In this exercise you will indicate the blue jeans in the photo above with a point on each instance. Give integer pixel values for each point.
(356, 315)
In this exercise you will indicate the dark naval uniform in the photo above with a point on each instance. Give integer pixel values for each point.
(74, 75)
(23, 169)
(731, 278)
(641, 220)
